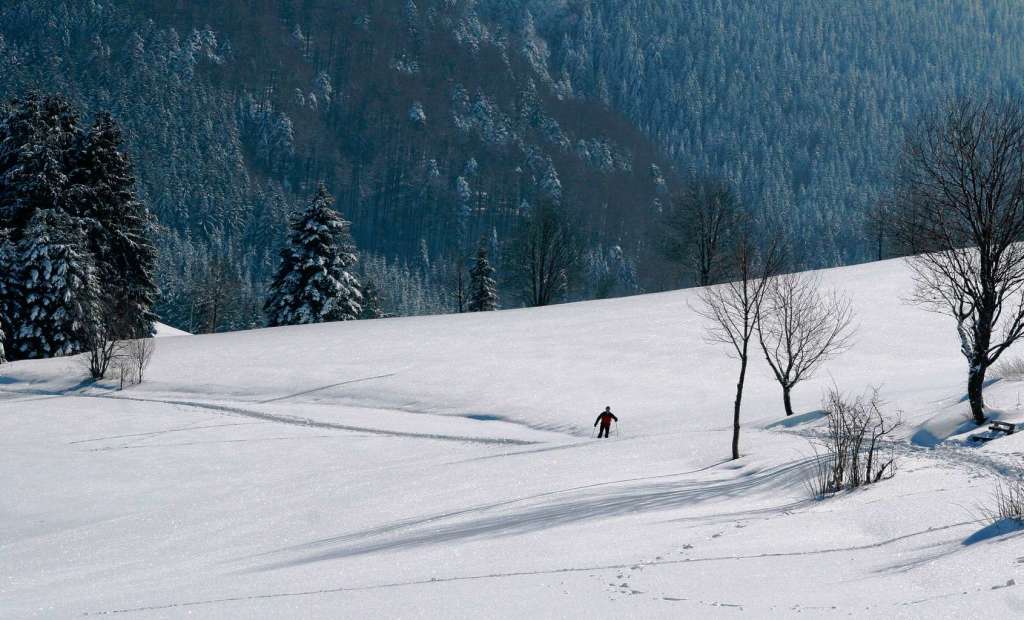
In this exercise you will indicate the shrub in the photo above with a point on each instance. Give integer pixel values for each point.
(856, 448)
(1008, 501)
(132, 359)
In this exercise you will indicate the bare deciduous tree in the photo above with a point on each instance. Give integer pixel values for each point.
(878, 226)
(102, 351)
(799, 328)
(699, 226)
(458, 282)
(545, 257)
(733, 308)
(136, 355)
(961, 192)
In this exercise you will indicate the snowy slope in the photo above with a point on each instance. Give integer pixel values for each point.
(443, 466)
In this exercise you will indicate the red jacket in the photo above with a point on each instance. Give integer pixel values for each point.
(605, 418)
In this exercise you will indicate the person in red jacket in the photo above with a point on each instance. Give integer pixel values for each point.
(605, 419)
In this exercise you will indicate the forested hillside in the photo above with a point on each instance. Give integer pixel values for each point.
(436, 122)
(800, 103)
(431, 130)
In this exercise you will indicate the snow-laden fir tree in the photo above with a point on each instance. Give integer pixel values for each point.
(314, 282)
(59, 309)
(483, 291)
(37, 135)
(103, 190)
(373, 308)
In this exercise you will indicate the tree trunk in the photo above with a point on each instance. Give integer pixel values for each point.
(786, 400)
(736, 410)
(975, 385)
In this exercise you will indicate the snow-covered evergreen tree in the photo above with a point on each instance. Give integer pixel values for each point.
(373, 308)
(483, 291)
(59, 310)
(103, 190)
(37, 135)
(314, 283)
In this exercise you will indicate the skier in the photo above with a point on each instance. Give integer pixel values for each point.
(605, 418)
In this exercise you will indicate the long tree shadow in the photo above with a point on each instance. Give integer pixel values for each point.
(588, 504)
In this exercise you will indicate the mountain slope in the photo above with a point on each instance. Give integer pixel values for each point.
(426, 124)
(801, 103)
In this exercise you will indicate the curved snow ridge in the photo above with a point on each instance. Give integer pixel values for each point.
(311, 423)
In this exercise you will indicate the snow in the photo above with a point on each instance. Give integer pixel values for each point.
(166, 331)
(443, 467)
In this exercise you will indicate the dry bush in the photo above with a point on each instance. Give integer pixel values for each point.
(856, 449)
(1008, 501)
(132, 359)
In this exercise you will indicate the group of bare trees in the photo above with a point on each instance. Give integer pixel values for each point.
(956, 207)
(797, 327)
(128, 359)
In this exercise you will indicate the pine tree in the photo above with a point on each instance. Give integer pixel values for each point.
(59, 308)
(103, 190)
(37, 135)
(483, 290)
(373, 308)
(314, 283)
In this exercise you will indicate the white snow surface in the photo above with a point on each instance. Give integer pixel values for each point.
(444, 467)
(166, 331)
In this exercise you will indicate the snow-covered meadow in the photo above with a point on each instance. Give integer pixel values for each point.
(444, 467)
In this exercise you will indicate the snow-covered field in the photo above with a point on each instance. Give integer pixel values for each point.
(443, 467)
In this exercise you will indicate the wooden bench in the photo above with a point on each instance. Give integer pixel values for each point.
(1003, 427)
(996, 427)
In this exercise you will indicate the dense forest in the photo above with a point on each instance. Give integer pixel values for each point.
(436, 123)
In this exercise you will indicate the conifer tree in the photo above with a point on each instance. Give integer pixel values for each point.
(314, 283)
(372, 306)
(483, 290)
(58, 313)
(37, 135)
(103, 189)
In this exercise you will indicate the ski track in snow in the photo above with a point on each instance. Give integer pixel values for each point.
(283, 419)
(325, 387)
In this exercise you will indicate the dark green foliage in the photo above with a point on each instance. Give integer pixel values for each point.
(103, 193)
(314, 283)
(59, 308)
(76, 187)
(37, 139)
(372, 306)
(483, 290)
